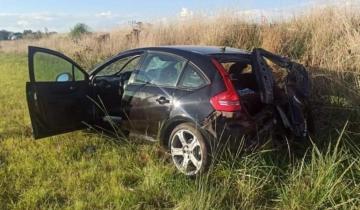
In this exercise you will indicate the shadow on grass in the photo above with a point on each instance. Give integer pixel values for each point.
(335, 102)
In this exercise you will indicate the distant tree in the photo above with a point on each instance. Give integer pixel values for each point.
(38, 34)
(27, 32)
(79, 29)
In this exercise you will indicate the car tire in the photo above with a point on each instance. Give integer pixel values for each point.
(189, 149)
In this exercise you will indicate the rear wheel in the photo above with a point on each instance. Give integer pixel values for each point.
(189, 150)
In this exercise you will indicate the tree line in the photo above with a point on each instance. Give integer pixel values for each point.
(26, 34)
(76, 32)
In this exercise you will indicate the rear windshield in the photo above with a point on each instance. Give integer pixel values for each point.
(239, 64)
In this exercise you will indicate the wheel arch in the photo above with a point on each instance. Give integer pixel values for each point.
(167, 128)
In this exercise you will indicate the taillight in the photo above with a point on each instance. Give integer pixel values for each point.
(229, 100)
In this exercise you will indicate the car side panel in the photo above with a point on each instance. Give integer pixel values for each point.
(194, 105)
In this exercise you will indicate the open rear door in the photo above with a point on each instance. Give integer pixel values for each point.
(264, 77)
(56, 94)
(295, 109)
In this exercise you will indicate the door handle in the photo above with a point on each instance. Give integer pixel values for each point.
(162, 100)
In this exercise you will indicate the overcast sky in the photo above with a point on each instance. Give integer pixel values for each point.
(61, 15)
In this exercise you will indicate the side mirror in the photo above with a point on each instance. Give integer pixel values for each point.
(64, 77)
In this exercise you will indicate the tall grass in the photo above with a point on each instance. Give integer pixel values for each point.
(326, 38)
(87, 171)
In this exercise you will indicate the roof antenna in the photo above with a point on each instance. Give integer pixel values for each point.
(223, 49)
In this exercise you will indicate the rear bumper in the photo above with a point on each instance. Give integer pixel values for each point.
(230, 128)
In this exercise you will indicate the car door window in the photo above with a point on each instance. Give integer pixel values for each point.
(160, 70)
(48, 68)
(122, 65)
(131, 65)
(191, 78)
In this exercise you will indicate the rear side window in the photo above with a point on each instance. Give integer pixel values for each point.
(191, 78)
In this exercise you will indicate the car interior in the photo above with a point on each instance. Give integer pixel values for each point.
(162, 70)
(244, 80)
(110, 81)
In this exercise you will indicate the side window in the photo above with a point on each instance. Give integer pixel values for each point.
(47, 68)
(132, 64)
(123, 65)
(160, 69)
(191, 78)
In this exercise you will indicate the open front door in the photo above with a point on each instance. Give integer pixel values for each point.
(56, 94)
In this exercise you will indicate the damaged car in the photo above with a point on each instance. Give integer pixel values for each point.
(187, 97)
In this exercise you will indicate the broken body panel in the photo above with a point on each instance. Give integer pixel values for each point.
(292, 102)
(286, 106)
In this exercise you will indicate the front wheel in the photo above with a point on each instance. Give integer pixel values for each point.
(189, 150)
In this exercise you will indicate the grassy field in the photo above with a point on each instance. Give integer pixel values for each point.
(87, 171)
(90, 171)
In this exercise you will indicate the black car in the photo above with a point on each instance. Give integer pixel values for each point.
(187, 97)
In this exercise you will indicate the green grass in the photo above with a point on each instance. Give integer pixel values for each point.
(89, 171)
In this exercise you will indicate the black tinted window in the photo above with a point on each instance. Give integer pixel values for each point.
(160, 69)
(191, 78)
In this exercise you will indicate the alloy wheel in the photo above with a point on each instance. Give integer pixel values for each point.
(186, 152)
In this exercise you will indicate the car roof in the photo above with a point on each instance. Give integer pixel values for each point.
(198, 49)
(217, 51)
